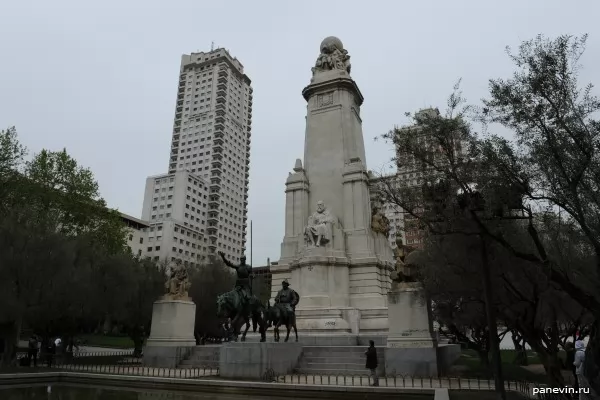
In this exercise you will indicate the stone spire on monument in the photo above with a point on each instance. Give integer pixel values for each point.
(330, 253)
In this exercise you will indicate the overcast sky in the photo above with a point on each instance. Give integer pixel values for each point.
(100, 78)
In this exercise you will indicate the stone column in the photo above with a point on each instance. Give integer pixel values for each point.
(296, 213)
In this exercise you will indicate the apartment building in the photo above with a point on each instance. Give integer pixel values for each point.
(175, 206)
(209, 164)
(136, 234)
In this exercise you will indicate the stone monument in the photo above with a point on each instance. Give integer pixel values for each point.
(173, 320)
(330, 251)
(411, 347)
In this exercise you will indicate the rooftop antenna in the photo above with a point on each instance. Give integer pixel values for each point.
(212, 46)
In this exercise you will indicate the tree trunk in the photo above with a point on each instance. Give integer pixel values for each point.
(484, 359)
(10, 336)
(137, 336)
(553, 369)
(520, 349)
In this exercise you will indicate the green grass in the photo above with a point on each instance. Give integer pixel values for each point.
(117, 342)
(473, 368)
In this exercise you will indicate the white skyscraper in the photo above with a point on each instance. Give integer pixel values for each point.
(209, 158)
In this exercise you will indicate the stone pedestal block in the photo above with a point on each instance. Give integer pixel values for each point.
(171, 333)
(255, 360)
(411, 348)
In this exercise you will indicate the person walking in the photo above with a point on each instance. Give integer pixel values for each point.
(578, 363)
(32, 351)
(372, 364)
(569, 363)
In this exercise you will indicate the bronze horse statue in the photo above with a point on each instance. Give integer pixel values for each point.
(276, 316)
(226, 308)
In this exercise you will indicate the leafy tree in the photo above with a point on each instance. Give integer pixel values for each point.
(207, 282)
(141, 284)
(550, 168)
(554, 157)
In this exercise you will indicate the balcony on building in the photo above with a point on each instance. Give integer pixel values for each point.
(222, 86)
(217, 156)
(222, 93)
(215, 186)
(220, 107)
(219, 125)
(222, 79)
(221, 99)
(213, 201)
(215, 193)
(219, 120)
(179, 108)
(215, 179)
(179, 102)
(217, 164)
(218, 148)
(217, 141)
(223, 73)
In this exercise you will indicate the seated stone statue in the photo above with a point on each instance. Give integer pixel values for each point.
(178, 283)
(318, 232)
(405, 268)
(379, 222)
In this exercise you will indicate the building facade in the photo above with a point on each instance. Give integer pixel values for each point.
(175, 206)
(136, 234)
(209, 163)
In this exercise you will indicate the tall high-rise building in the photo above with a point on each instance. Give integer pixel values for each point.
(209, 158)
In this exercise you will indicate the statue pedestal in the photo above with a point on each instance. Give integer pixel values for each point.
(171, 333)
(411, 348)
(256, 360)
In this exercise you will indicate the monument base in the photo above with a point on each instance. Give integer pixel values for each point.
(252, 360)
(171, 333)
(411, 347)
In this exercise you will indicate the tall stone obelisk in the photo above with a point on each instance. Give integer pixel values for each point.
(330, 255)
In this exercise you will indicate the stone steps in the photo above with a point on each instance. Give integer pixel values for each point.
(336, 360)
(206, 356)
(335, 372)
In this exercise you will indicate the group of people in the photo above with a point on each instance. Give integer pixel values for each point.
(36, 349)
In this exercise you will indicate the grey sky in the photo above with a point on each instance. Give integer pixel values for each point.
(100, 78)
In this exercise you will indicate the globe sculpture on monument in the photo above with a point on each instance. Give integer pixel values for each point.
(173, 320)
(330, 252)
